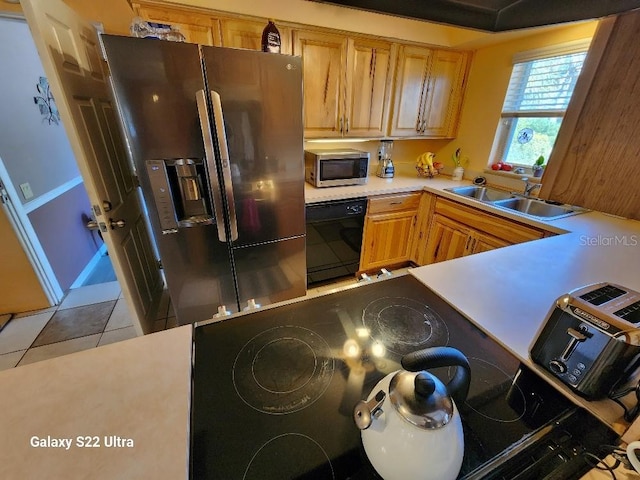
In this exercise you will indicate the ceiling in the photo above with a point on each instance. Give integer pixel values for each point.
(494, 15)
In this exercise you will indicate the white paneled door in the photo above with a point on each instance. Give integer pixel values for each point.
(70, 52)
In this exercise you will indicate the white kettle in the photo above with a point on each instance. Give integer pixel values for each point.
(410, 425)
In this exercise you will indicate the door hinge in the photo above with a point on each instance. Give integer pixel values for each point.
(136, 180)
(159, 263)
(4, 196)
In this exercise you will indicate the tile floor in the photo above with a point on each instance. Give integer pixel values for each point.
(88, 317)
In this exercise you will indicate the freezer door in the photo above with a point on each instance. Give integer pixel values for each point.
(257, 109)
(271, 272)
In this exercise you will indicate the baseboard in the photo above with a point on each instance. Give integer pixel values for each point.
(86, 271)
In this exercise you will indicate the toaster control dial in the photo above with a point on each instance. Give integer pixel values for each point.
(558, 367)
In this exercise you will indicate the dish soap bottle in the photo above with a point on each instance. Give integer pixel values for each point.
(271, 38)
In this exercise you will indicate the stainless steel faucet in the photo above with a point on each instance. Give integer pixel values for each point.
(529, 187)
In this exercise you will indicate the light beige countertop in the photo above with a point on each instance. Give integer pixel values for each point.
(137, 389)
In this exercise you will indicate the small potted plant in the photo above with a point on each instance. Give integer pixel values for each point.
(538, 166)
(459, 163)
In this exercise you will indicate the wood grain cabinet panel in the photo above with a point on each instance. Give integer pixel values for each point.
(369, 78)
(429, 89)
(444, 94)
(347, 84)
(457, 230)
(196, 27)
(594, 163)
(411, 78)
(447, 240)
(247, 34)
(323, 63)
(388, 231)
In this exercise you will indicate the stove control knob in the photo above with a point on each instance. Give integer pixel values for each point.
(557, 367)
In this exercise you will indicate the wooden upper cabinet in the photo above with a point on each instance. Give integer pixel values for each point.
(444, 93)
(411, 77)
(369, 77)
(323, 63)
(196, 27)
(429, 89)
(347, 84)
(594, 163)
(247, 34)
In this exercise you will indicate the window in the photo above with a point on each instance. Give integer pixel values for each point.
(539, 91)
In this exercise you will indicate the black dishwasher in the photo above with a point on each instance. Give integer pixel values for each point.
(334, 238)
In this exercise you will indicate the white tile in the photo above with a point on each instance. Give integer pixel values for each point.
(102, 292)
(58, 349)
(10, 360)
(36, 312)
(120, 317)
(20, 333)
(119, 335)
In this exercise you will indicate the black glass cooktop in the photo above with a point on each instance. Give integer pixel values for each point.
(274, 391)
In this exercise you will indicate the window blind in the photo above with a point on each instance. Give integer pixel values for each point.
(543, 85)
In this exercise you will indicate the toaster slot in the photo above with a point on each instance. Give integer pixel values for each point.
(631, 313)
(602, 295)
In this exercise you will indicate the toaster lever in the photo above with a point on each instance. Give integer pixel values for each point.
(576, 338)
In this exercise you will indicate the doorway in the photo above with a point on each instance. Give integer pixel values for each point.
(43, 196)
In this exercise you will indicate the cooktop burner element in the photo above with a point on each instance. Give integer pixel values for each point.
(283, 370)
(404, 325)
(274, 391)
(491, 390)
(302, 451)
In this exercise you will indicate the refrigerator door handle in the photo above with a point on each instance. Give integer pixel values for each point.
(224, 161)
(212, 169)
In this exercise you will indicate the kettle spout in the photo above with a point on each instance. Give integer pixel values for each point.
(364, 412)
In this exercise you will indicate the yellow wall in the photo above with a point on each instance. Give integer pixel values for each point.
(20, 289)
(487, 85)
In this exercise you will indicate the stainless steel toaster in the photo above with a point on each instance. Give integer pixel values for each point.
(590, 339)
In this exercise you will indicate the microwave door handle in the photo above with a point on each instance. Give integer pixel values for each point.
(224, 161)
(210, 158)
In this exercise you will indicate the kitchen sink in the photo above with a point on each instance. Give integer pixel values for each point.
(537, 208)
(517, 203)
(484, 194)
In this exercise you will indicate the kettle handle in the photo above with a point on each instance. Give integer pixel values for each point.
(435, 357)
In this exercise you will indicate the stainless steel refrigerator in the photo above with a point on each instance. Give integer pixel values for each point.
(215, 136)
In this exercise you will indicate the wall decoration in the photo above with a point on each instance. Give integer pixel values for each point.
(46, 103)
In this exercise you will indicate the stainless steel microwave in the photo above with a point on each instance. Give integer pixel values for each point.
(338, 167)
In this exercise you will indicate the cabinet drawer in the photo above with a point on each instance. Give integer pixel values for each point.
(502, 228)
(393, 203)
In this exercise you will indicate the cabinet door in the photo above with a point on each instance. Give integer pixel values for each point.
(195, 27)
(484, 243)
(413, 65)
(444, 94)
(324, 65)
(387, 239)
(447, 240)
(247, 34)
(425, 213)
(369, 76)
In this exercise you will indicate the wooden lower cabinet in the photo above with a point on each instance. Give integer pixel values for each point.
(457, 230)
(388, 231)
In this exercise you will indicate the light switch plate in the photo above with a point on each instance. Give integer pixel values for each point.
(26, 190)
